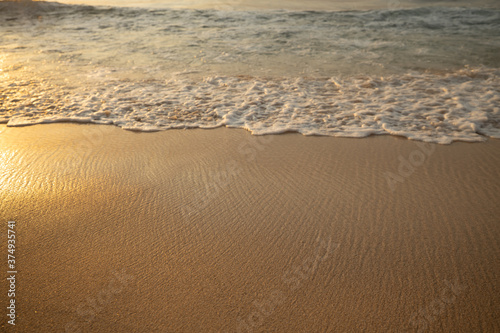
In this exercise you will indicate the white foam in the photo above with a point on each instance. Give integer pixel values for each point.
(441, 108)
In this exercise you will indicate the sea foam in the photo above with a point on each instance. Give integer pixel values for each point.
(441, 108)
(429, 74)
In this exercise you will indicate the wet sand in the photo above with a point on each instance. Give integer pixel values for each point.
(221, 231)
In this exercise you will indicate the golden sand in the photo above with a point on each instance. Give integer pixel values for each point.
(221, 231)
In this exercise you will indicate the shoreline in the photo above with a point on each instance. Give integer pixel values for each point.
(153, 129)
(219, 230)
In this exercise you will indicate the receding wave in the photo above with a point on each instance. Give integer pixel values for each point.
(430, 74)
(442, 108)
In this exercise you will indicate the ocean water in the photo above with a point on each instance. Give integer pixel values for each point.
(424, 70)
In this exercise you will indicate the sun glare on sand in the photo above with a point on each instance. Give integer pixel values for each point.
(7, 168)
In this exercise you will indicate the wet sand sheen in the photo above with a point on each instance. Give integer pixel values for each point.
(218, 230)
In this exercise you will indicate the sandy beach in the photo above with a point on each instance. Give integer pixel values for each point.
(222, 231)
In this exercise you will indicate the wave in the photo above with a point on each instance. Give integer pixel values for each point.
(456, 16)
(429, 73)
(441, 108)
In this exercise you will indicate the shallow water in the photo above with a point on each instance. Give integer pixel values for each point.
(427, 73)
